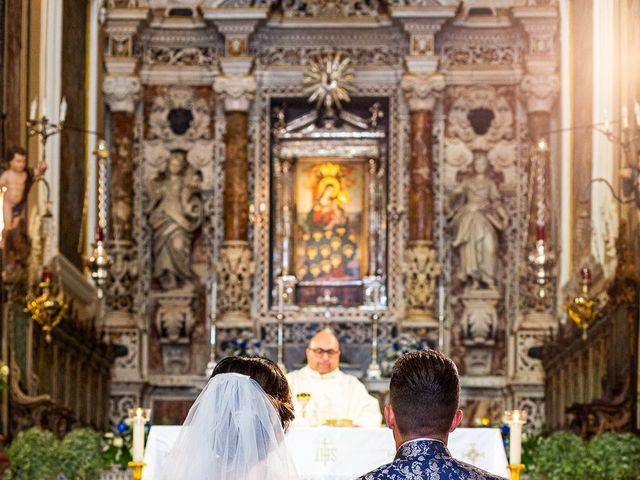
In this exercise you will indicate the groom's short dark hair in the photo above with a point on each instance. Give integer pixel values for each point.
(425, 393)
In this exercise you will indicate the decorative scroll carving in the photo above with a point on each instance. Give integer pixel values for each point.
(243, 3)
(539, 92)
(480, 323)
(123, 276)
(174, 317)
(128, 364)
(421, 270)
(180, 56)
(480, 55)
(127, 3)
(121, 93)
(330, 8)
(529, 368)
(480, 317)
(179, 115)
(235, 270)
(534, 406)
(119, 406)
(422, 91)
(294, 55)
(465, 100)
(237, 92)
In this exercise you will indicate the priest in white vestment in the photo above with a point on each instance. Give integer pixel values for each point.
(334, 396)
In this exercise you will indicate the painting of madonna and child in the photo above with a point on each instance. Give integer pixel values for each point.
(329, 231)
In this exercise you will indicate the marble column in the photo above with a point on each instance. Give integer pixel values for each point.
(122, 94)
(421, 268)
(539, 93)
(122, 90)
(539, 90)
(235, 266)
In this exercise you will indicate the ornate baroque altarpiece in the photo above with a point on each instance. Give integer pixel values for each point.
(331, 230)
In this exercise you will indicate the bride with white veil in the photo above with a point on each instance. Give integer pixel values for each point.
(235, 428)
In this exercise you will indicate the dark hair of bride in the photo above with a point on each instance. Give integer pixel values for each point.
(266, 374)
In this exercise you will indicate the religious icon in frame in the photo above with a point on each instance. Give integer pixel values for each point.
(330, 219)
(329, 227)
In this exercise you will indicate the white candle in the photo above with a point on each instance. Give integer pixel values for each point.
(607, 124)
(515, 419)
(34, 109)
(63, 110)
(43, 107)
(625, 117)
(441, 301)
(138, 435)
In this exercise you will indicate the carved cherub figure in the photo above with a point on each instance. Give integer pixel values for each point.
(17, 179)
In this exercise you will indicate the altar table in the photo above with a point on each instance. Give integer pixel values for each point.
(329, 453)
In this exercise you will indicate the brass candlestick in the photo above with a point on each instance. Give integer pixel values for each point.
(516, 470)
(137, 469)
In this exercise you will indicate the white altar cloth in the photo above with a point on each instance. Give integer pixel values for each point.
(328, 453)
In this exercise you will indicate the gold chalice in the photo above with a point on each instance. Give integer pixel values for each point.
(303, 400)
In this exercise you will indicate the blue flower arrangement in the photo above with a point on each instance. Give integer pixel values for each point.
(245, 345)
(116, 450)
(405, 343)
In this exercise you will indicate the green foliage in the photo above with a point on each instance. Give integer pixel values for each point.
(563, 455)
(81, 457)
(615, 456)
(37, 454)
(530, 444)
(33, 454)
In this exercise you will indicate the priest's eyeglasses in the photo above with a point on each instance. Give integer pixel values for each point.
(319, 352)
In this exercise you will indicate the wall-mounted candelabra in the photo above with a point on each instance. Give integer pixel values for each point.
(43, 125)
(629, 143)
(46, 307)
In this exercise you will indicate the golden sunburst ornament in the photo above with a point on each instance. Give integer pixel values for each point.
(329, 81)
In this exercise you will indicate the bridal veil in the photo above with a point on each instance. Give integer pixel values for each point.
(232, 431)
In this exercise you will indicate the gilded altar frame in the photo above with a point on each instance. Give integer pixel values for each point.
(355, 143)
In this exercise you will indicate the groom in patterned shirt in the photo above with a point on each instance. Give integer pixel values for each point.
(425, 392)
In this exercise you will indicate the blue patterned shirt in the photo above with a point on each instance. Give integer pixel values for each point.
(427, 459)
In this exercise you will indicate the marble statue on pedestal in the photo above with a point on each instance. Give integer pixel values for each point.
(476, 225)
(175, 212)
